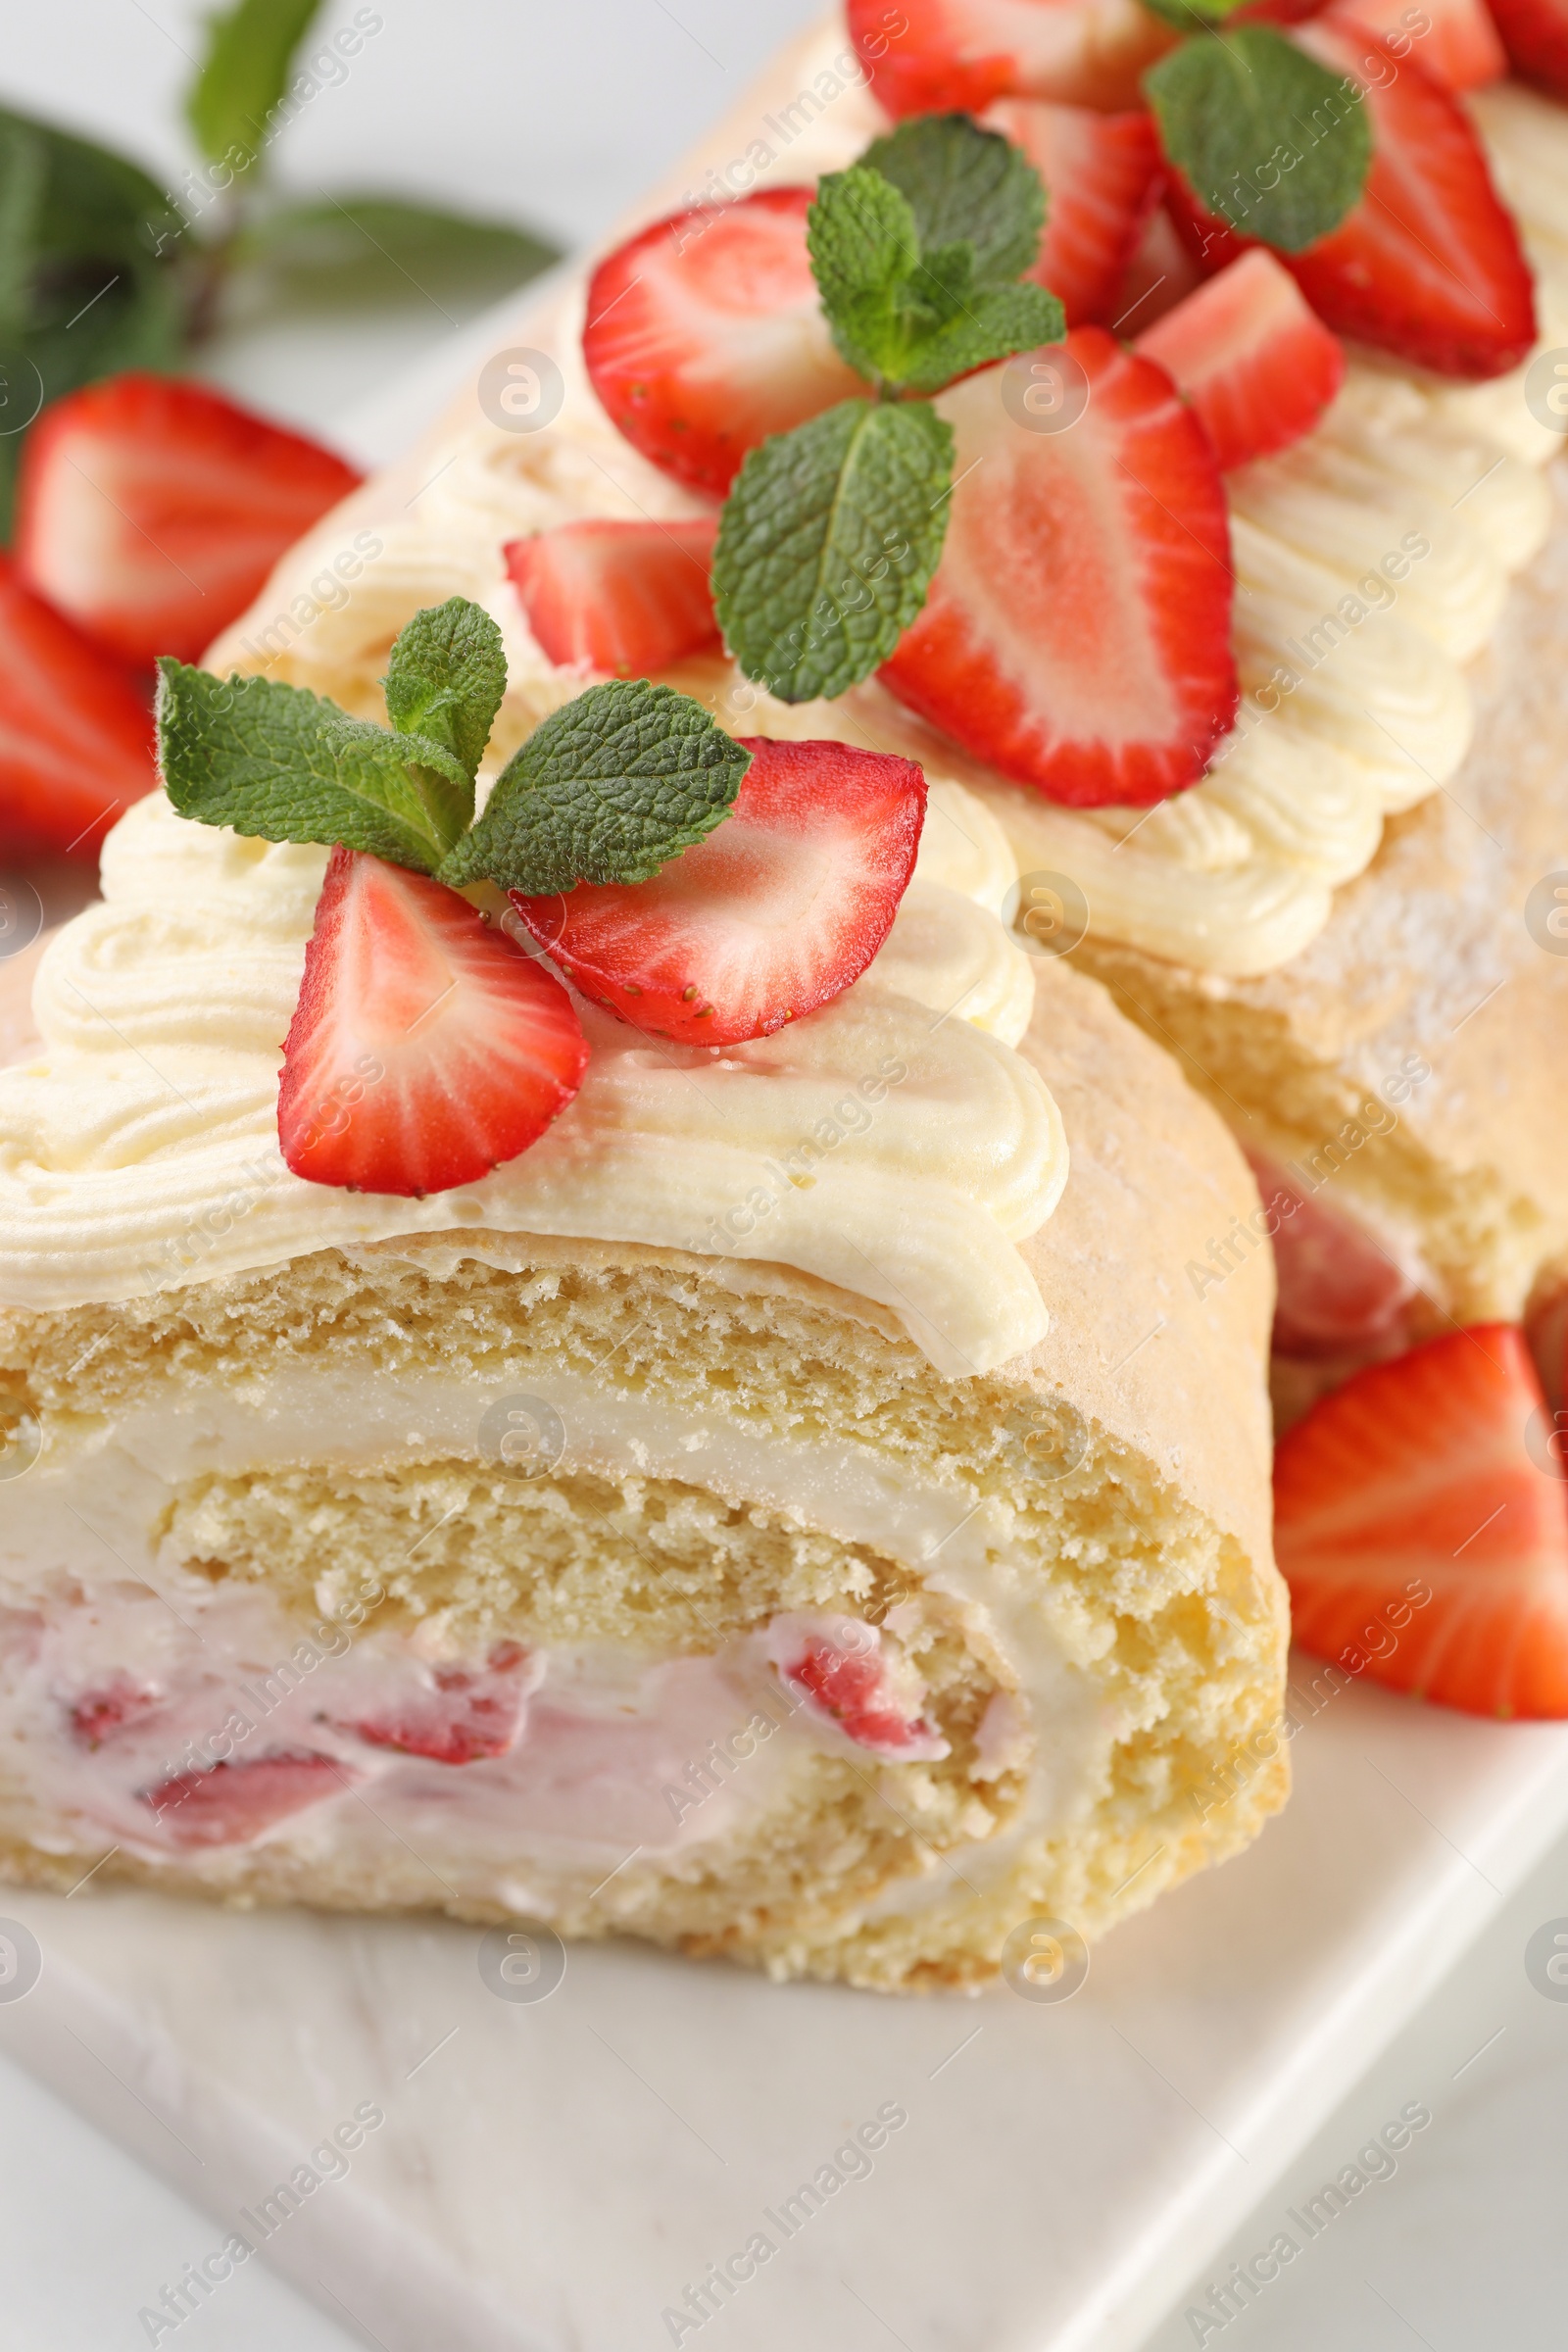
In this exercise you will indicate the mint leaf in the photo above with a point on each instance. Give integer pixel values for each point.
(243, 76)
(965, 187)
(279, 763)
(981, 323)
(1266, 137)
(88, 276)
(904, 318)
(1193, 16)
(827, 544)
(444, 683)
(609, 789)
(865, 249)
(362, 251)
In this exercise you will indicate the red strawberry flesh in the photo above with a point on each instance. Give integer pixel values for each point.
(705, 334)
(1337, 1290)
(115, 1704)
(780, 907)
(1459, 49)
(850, 1687)
(75, 734)
(426, 1049)
(151, 510)
(1258, 366)
(452, 1714)
(1534, 33)
(230, 1804)
(624, 598)
(929, 54)
(1102, 175)
(1077, 632)
(1416, 1478)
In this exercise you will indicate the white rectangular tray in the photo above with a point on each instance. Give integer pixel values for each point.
(552, 2177)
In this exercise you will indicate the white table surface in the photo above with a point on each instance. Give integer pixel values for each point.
(556, 117)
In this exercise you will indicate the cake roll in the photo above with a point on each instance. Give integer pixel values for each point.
(797, 1511)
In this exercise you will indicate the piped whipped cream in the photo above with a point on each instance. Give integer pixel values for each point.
(1372, 561)
(892, 1143)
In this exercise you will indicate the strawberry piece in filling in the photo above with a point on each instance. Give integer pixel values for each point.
(115, 1704)
(231, 1804)
(1338, 1290)
(453, 1714)
(836, 1667)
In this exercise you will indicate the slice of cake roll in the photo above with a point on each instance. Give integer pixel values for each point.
(797, 1509)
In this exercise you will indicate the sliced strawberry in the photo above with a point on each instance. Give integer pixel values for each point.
(115, 1704)
(1103, 175)
(151, 509)
(1414, 1479)
(233, 1803)
(76, 736)
(783, 904)
(847, 1682)
(1427, 264)
(1337, 1290)
(1256, 363)
(1077, 633)
(1460, 49)
(928, 55)
(705, 334)
(1534, 33)
(452, 1714)
(1160, 274)
(625, 598)
(426, 1049)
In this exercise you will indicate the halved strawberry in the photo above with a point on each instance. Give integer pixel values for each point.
(1427, 264)
(1414, 1480)
(76, 736)
(1337, 1290)
(705, 334)
(781, 906)
(452, 1714)
(1078, 630)
(1459, 50)
(233, 1803)
(1534, 33)
(1258, 366)
(928, 55)
(425, 1048)
(152, 510)
(625, 598)
(1103, 175)
(1160, 274)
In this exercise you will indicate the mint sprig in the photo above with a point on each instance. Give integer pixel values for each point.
(1267, 139)
(831, 533)
(607, 789)
(829, 543)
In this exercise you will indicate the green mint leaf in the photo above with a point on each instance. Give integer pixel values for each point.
(243, 76)
(1266, 137)
(609, 789)
(362, 251)
(88, 276)
(865, 249)
(827, 544)
(965, 187)
(992, 322)
(279, 763)
(444, 683)
(1193, 16)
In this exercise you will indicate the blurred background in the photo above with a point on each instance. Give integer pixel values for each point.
(535, 125)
